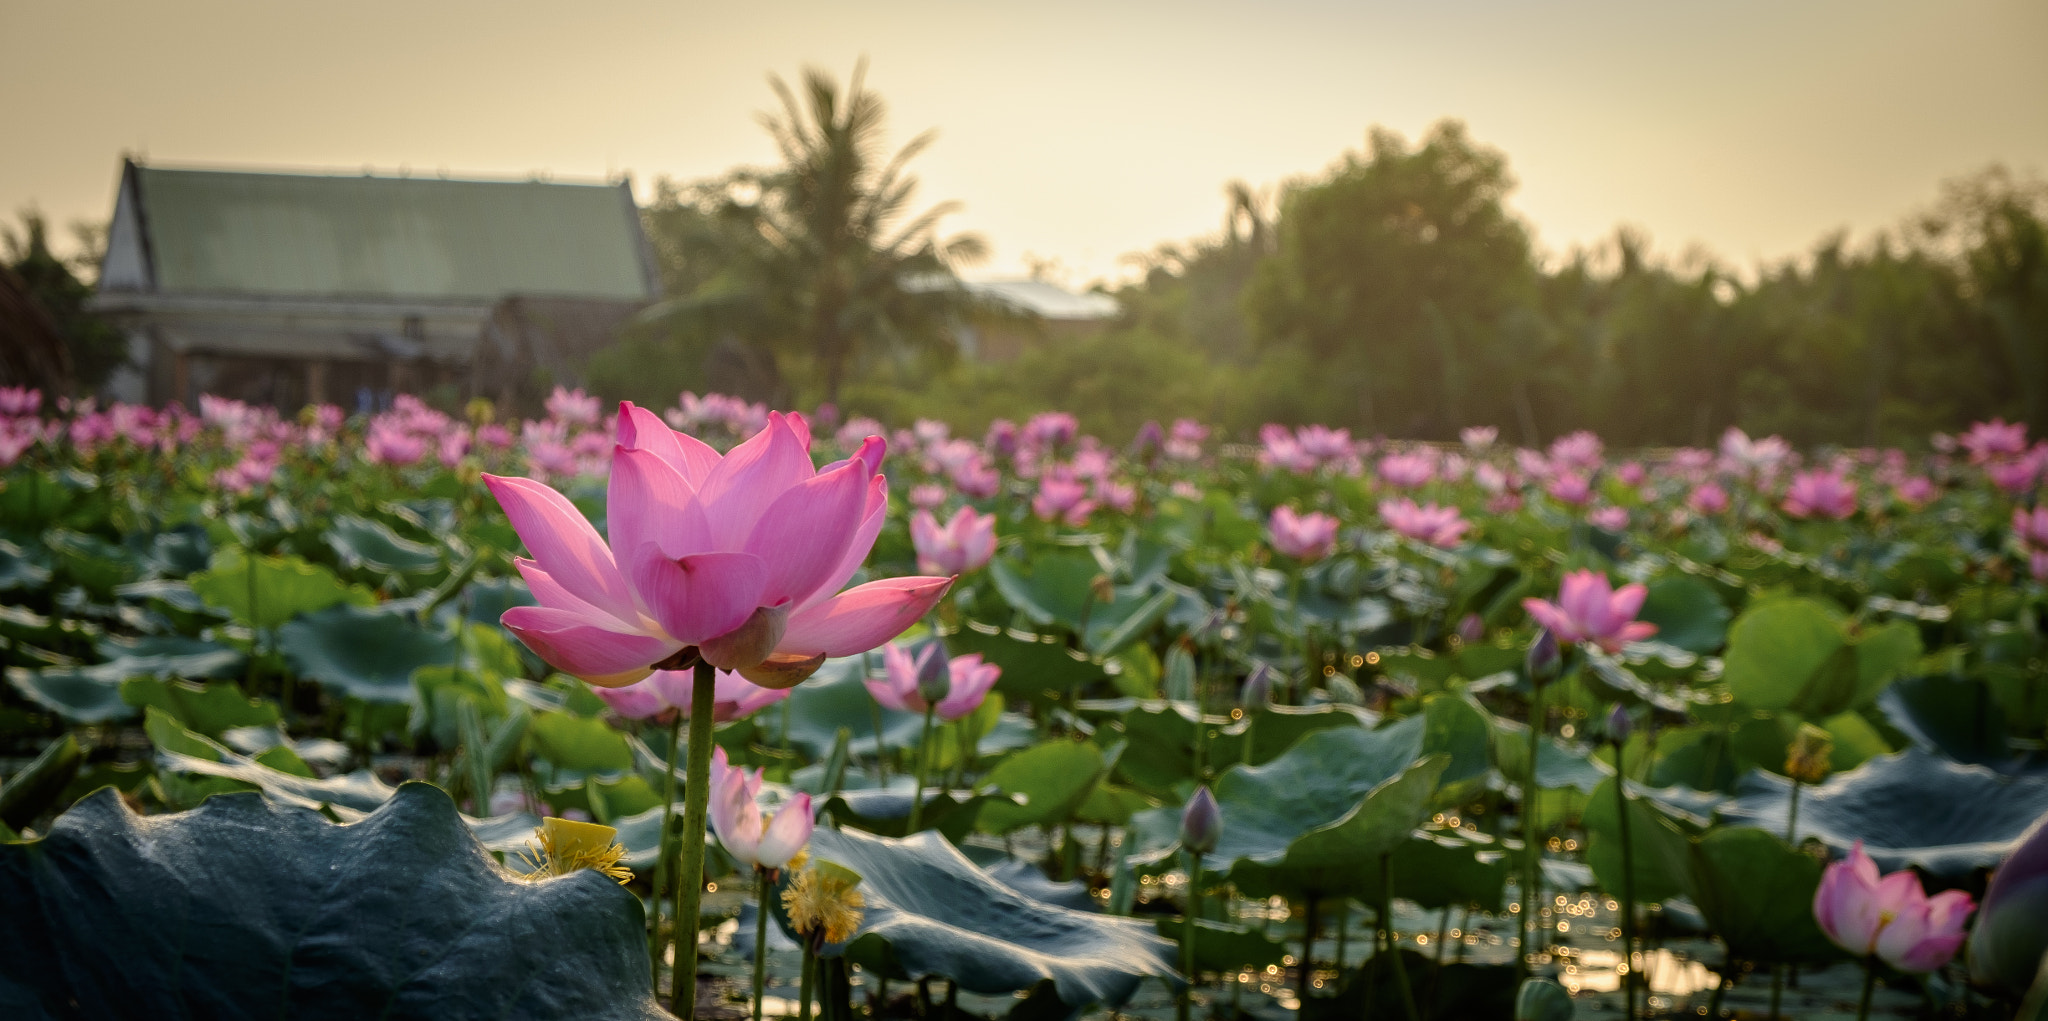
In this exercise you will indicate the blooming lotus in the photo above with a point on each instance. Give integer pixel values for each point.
(1890, 917)
(1478, 437)
(969, 679)
(1407, 470)
(1588, 609)
(732, 697)
(1611, 519)
(1305, 537)
(1989, 441)
(1437, 526)
(1569, 487)
(964, 543)
(1707, 498)
(736, 559)
(766, 842)
(1817, 493)
(2031, 527)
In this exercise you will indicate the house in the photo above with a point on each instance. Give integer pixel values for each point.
(295, 288)
(1038, 310)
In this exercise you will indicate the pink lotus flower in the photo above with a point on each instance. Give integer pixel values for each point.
(1707, 498)
(1588, 609)
(1890, 916)
(732, 697)
(964, 543)
(1570, 488)
(1915, 491)
(970, 682)
(739, 557)
(1061, 496)
(1407, 470)
(20, 401)
(1478, 437)
(388, 443)
(1989, 441)
(1611, 519)
(1283, 450)
(2011, 932)
(750, 838)
(1305, 537)
(2037, 564)
(2015, 476)
(1820, 493)
(1437, 526)
(1580, 450)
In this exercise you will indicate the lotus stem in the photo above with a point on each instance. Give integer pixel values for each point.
(1792, 817)
(761, 938)
(1628, 886)
(1308, 949)
(924, 765)
(807, 984)
(1531, 852)
(690, 879)
(1187, 940)
(1393, 952)
(655, 944)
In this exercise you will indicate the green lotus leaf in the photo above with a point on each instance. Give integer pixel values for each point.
(1222, 946)
(246, 907)
(933, 912)
(210, 709)
(364, 653)
(1657, 846)
(1688, 613)
(283, 588)
(1051, 781)
(1757, 894)
(363, 544)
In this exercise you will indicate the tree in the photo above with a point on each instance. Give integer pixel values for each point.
(822, 257)
(96, 347)
(1395, 271)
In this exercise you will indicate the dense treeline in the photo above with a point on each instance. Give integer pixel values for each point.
(1396, 293)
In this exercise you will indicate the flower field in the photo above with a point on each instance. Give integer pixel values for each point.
(1026, 723)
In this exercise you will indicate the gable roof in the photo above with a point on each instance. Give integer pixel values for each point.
(1046, 300)
(179, 231)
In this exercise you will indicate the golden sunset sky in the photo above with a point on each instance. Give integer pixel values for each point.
(1070, 131)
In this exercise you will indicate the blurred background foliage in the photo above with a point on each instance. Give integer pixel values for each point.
(1396, 292)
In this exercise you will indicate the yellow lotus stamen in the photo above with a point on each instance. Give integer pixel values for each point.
(565, 845)
(823, 901)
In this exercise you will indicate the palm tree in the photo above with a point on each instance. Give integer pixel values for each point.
(830, 258)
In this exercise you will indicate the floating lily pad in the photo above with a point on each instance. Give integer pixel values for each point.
(249, 908)
(931, 911)
(1911, 808)
(364, 653)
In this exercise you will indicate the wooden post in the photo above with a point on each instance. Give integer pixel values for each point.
(316, 381)
(181, 378)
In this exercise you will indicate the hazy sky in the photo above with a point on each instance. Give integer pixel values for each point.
(1073, 131)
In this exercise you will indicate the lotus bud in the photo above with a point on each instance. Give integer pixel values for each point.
(1807, 760)
(1544, 660)
(2011, 933)
(1620, 724)
(1258, 688)
(1471, 630)
(934, 673)
(1201, 822)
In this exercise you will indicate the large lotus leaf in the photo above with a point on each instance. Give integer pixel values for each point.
(580, 743)
(171, 656)
(1657, 846)
(78, 694)
(362, 543)
(489, 598)
(1757, 893)
(1439, 870)
(833, 698)
(1037, 668)
(1688, 613)
(174, 553)
(283, 587)
(1796, 653)
(1911, 808)
(1558, 765)
(887, 811)
(181, 751)
(90, 561)
(248, 908)
(364, 653)
(18, 570)
(1164, 739)
(1272, 729)
(1052, 588)
(1050, 782)
(1027, 879)
(1955, 717)
(210, 709)
(1456, 726)
(931, 911)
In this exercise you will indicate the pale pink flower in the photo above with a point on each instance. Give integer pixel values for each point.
(1707, 498)
(1569, 488)
(2031, 527)
(732, 697)
(969, 681)
(1429, 523)
(1589, 610)
(1062, 497)
(1989, 441)
(1915, 491)
(1891, 916)
(1820, 493)
(963, 544)
(1407, 471)
(1305, 537)
(1612, 519)
(1478, 437)
(748, 836)
(1579, 450)
(927, 495)
(389, 443)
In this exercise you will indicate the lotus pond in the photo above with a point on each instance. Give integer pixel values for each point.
(1303, 726)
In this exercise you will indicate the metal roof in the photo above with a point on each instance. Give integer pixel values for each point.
(306, 235)
(1047, 300)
